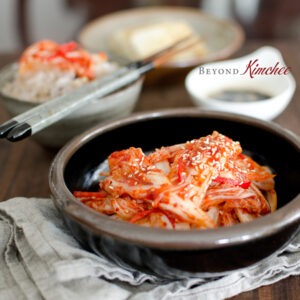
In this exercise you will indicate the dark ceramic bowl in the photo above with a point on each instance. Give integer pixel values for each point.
(176, 254)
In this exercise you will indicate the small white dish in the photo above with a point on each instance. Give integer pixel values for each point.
(239, 75)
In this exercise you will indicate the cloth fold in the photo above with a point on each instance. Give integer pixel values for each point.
(40, 259)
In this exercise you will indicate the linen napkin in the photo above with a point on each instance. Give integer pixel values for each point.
(41, 260)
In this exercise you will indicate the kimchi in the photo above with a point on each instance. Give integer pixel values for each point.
(204, 183)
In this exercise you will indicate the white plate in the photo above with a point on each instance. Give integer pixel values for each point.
(222, 38)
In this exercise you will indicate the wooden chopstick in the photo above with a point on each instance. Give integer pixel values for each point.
(43, 115)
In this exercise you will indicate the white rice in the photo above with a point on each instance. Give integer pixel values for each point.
(46, 83)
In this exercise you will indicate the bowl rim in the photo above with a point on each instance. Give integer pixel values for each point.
(100, 224)
(193, 11)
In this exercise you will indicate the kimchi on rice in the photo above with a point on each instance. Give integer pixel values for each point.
(47, 70)
(203, 183)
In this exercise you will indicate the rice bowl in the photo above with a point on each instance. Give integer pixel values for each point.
(22, 90)
(47, 70)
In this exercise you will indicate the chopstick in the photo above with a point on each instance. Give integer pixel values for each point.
(43, 115)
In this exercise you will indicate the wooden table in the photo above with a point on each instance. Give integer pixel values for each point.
(25, 164)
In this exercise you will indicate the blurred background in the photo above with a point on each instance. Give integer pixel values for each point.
(24, 21)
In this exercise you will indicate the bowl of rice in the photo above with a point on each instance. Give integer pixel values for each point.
(47, 70)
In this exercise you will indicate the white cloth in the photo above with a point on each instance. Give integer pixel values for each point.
(41, 260)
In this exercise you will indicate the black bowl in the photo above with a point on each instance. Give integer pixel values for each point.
(177, 254)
